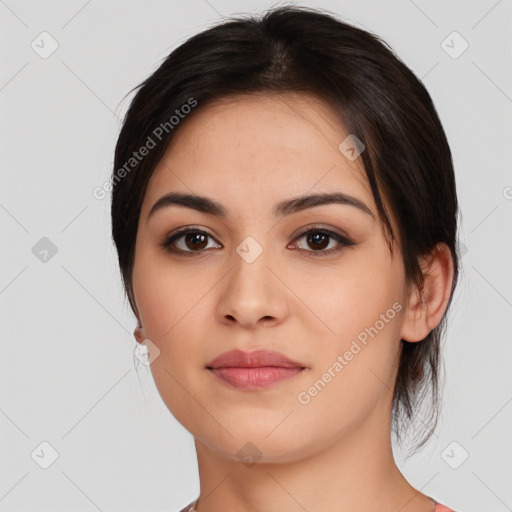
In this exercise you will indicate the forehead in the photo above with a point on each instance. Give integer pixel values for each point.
(260, 147)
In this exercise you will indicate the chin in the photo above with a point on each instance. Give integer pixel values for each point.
(252, 444)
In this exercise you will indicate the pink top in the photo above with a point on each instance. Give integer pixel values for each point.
(439, 508)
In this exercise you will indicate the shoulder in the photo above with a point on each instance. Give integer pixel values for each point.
(439, 508)
(442, 508)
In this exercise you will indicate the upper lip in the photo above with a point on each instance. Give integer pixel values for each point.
(257, 358)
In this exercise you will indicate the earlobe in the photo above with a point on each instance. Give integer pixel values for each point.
(427, 306)
(139, 333)
(416, 325)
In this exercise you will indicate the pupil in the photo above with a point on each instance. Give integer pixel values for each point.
(192, 236)
(315, 236)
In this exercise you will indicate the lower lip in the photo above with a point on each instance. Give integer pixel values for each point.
(255, 378)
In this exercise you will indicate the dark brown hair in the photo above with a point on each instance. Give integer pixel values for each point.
(407, 159)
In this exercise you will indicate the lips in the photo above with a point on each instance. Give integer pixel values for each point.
(255, 359)
(254, 370)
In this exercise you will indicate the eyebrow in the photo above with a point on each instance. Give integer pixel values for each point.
(206, 205)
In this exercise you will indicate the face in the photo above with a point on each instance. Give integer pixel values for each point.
(331, 300)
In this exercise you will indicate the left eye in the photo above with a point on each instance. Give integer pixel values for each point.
(319, 240)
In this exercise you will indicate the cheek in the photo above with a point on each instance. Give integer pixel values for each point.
(165, 294)
(340, 302)
(353, 375)
(169, 300)
(355, 363)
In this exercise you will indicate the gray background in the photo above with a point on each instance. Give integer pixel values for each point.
(67, 371)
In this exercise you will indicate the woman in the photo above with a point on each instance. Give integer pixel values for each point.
(285, 215)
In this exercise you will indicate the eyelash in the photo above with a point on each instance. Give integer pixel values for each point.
(343, 241)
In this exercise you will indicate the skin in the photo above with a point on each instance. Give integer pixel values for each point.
(333, 453)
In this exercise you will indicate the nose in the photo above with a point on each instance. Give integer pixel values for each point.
(252, 295)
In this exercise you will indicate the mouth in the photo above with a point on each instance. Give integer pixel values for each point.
(254, 370)
(255, 378)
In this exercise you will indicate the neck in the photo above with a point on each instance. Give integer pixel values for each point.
(356, 472)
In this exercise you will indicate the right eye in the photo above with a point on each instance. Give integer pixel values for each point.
(192, 240)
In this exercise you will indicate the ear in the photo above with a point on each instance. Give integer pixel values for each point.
(139, 332)
(421, 317)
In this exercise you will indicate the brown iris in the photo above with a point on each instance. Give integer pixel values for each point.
(318, 238)
(198, 240)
